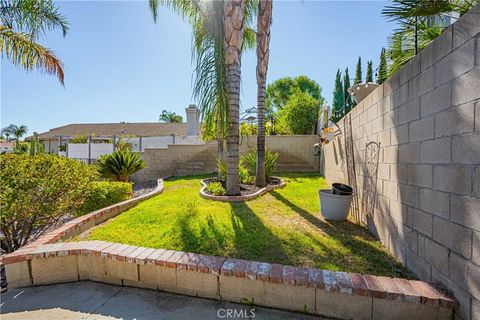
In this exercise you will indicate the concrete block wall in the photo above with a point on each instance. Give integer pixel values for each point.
(427, 121)
(295, 155)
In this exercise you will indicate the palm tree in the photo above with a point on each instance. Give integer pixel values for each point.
(421, 21)
(208, 53)
(18, 131)
(264, 20)
(6, 133)
(169, 117)
(233, 20)
(22, 22)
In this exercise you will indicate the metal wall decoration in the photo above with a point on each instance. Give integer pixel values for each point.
(369, 195)
(350, 159)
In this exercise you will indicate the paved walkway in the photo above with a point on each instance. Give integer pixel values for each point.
(90, 300)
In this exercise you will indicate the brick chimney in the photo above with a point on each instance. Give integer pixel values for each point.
(193, 120)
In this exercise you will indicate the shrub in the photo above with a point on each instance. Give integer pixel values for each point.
(105, 193)
(79, 139)
(250, 161)
(243, 173)
(120, 165)
(216, 188)
(36, 192)
(123, 145)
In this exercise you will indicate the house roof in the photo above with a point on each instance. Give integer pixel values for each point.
(7, 144)
(118, 129)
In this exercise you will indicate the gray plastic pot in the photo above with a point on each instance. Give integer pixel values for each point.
(334, 206)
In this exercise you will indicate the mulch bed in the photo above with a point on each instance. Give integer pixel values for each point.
(245, 189)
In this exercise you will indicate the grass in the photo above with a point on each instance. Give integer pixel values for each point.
(283, 226)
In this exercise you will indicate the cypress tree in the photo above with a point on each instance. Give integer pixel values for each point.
(338, 99)
(382, 68)
(358, 72)
(369, 72)
(349, 103)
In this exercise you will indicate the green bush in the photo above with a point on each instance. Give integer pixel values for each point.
(249, 159)
(216, 188)
(105, 193)
(243, 173)
(120, 165)
(123, 145)
(79, 139)
(35, 192)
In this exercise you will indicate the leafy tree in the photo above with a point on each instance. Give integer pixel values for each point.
(300, 114)
(248, 129)
(349, 102)
(369, 77)
(338, 97)
(169, 117)
(382, 68)
(263, 52)
(120, 165)
(36, 192)
(281, 90)
(358, 71)
(22, 22)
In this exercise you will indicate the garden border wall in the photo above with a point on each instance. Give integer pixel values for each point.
(426, 118)
(334, 294)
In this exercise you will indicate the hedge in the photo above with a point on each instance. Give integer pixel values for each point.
(104, 194)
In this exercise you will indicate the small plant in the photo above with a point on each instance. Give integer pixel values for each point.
(123, 145)
(216, 188)
(79, 139)
(250, 161)
(62, 148)
(120, 165)
(243, 173)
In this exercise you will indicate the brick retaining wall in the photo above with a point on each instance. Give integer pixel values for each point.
(334, 294)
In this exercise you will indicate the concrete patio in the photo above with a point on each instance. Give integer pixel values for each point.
(90, 300)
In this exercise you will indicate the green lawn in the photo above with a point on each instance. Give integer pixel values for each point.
(283, 226)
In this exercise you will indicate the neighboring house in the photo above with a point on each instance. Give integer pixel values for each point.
(139, 135)
(7, 146)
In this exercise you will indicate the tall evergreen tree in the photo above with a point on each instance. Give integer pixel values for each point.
(358, 72)
(382, 68)
(349, 102)
(369, 77)
(338, 97)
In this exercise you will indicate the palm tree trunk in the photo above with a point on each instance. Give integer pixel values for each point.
(233, 22)
(264, 19)
(219, 136)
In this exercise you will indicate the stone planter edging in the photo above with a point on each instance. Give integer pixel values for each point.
(335, 294)
(79, 225)
(240, 198)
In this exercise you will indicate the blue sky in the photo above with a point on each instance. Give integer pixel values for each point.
(120, 66)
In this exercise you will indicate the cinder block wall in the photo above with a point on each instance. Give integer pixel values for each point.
(295, 155)
(427, 120)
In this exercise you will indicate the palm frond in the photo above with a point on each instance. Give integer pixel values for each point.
(24, 52)
(187, 9)
(34, 17)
